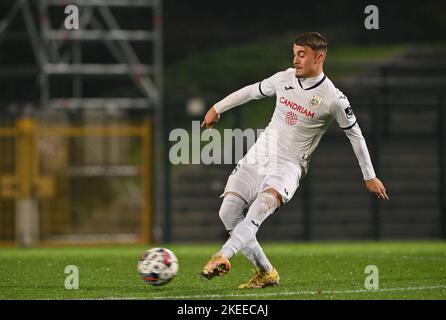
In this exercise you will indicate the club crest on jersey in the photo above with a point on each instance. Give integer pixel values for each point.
(348, 112)
(315, 101)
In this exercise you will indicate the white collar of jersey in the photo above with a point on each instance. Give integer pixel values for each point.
(309, 83)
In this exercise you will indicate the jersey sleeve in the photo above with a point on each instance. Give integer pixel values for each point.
(237, 98)
(341, 110)
(259, 90)
(267, 87)
(361, 151)
(343, 113)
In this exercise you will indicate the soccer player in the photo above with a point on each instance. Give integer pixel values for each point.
(306, 104)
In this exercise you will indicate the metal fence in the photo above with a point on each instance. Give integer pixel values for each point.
(63, 183)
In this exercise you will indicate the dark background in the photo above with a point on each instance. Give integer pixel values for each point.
(193, 26)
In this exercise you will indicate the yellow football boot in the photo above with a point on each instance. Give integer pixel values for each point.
(217, 266)
(262, 279)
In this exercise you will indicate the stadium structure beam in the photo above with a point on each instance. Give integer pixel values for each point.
(100, 35)
(147, 77)
(111, 34)
(97, 69)
(108, 3)
(4, 25)
(100, 103)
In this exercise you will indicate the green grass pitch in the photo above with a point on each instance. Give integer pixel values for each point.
(332, 270)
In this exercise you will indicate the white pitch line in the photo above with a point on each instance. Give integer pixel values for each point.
(116, 298)
(415, 257)
(293, 293)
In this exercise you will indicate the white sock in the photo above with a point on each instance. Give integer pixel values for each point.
(254, 252)
(231, 214)
(245, 231)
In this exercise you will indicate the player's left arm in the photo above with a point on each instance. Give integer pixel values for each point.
(343, 112)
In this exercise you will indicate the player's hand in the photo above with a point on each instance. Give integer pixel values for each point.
(210, 118)
(376, 187)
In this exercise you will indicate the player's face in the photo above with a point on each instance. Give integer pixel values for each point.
(306, 62)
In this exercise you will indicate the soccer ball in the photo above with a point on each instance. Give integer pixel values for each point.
(158, 266)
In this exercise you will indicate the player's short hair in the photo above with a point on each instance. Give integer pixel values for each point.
(314, 40)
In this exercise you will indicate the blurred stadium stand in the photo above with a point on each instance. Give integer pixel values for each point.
(400, 105)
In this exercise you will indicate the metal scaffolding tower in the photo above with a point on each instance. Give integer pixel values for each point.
(63, 55)
(113, 61)
(99, 23)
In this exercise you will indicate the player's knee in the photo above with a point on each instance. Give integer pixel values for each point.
(226, 216)
(268, 202)
(231, 210)
(276, 194)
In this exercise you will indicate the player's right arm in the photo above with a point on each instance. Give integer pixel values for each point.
(343, 113)
(262, 89)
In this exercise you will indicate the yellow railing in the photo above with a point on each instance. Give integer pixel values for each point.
(29, 186)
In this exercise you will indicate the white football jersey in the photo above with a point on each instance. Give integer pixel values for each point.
(304, 110)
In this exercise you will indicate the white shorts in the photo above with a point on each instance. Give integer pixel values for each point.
(248, 180)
